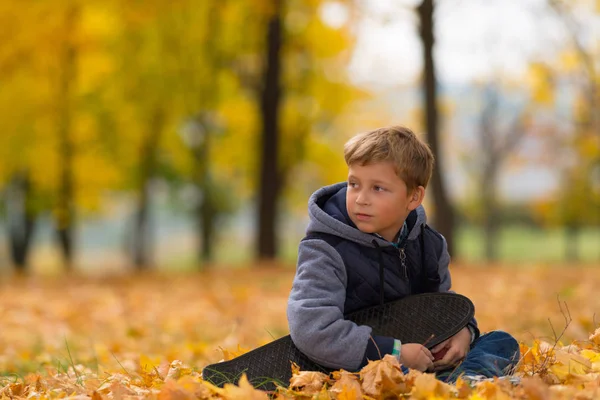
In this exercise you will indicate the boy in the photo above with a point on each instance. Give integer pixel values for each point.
(367, 235)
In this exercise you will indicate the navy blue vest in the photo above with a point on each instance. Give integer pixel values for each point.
(377, 274)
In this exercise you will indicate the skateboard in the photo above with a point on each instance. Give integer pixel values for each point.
(428, 318)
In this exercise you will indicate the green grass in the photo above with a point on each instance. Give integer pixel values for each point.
(520, 244)
(517, 244)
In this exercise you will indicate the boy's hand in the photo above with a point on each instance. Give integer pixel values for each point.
(452, 351)
(416, 356)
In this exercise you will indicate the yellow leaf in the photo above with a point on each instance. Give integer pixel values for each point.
(535, 388)
(120, 391)
(595, 337)
(347, 386)
(148, 363)
(569, 61)
(172, 391)
(590, 355)
(174, 371)
(426, 386)
(540, 82)
(463, 388)
(491, 390)
(244, 391)
(383, 378)
(194, 386)
(570, 366)
(310, 382)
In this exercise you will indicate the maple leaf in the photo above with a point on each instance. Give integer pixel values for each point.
(569, 366)
(491, 390)
(174, 371)
(120, 391)
(231, 354)
(595, 337)
(311, 382)
(383, 377)
(535, 389)
(594, 358)
(244, 391)
(463, 389)
(172, 391)
(97, 396)
(195, 386)
(426, 386)
(347, 386)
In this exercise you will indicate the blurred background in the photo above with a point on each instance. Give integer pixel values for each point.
(185, 134)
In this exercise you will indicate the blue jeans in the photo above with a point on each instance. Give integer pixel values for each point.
(492, 354)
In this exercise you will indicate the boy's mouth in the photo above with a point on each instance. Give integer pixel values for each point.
(363, 217)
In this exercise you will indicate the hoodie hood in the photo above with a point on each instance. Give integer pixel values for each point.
(328, 214)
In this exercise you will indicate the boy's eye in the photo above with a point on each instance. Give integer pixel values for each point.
(352, 184)
(378, 188)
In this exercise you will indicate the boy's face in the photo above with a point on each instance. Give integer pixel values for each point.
(377, 200)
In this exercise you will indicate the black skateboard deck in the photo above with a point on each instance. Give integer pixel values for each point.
(428, 318)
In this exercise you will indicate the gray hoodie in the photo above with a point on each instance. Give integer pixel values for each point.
(316, 302)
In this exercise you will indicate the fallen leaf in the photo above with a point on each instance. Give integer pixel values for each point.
(173, 391)
(426, 386)
(595, 337)
(243, 391)
(463, 389)
(310, 382)
(535, 389)
(347, 386)
(383, 378)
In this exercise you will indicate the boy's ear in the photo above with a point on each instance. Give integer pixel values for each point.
(416, 198)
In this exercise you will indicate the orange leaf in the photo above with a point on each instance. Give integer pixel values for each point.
(427, 386)
(172, 391)
(383, 377)
(347, 386)
(311, 382)
(244, 391)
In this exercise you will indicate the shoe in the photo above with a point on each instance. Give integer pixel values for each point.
(475, 379)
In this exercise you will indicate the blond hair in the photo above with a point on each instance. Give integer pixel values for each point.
(411, 157)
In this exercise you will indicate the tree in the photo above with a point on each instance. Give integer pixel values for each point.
(587, 134)
(443, 210)
(574, 72)
(21, 220)
(147, 75)
(270, 184)
(498, 141)
(64, 212)
(205, 57)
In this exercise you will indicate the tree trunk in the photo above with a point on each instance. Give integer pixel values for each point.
(571, 248)
(21, 222)
(65, 208)
(142, 245)
(205, 212)
(269, 172)
(443, 215)
(490, 210)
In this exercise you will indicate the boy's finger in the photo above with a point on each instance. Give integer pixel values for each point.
(427, 353)
(450, 356)
(439, 347)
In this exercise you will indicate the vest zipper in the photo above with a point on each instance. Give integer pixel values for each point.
(403, 263)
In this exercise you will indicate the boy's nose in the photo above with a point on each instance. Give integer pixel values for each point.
(362, 199)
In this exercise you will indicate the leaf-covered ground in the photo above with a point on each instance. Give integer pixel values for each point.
(149, 336)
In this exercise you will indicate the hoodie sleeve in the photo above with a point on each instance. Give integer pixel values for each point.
(316, 312)
(446, 284)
